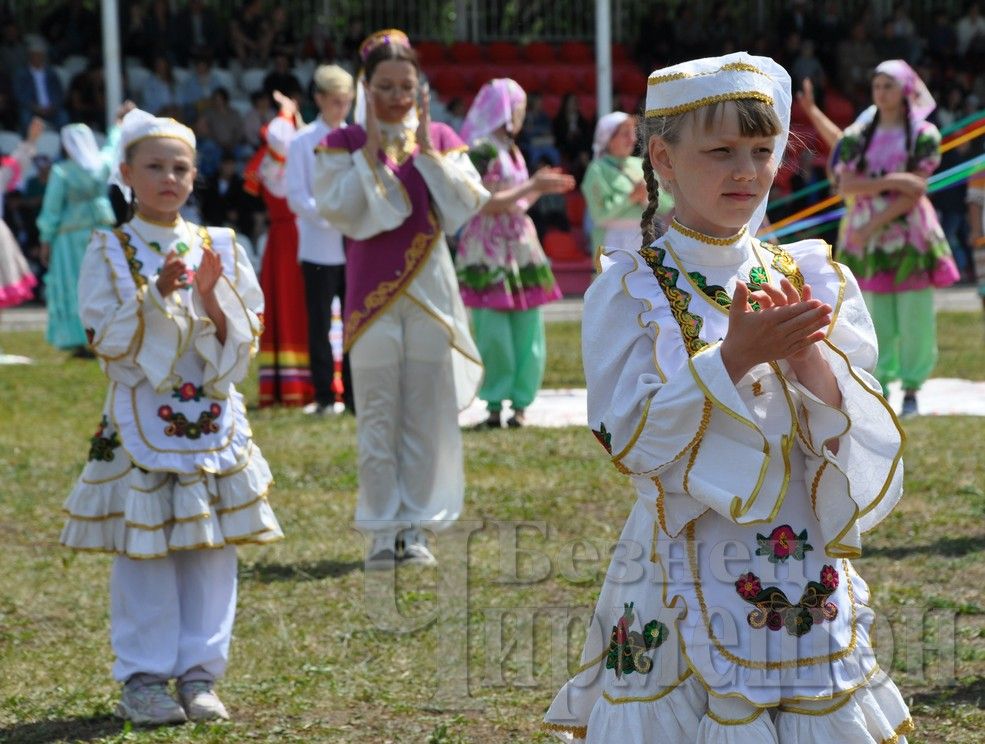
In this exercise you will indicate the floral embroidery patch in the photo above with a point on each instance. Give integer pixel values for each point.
(775, 611)
(717, 293)
(131, 255)
(180, 426)
(783, 543)
(627, 648)
(100, 446)
(188, 391)
(757, 278)
(604, 437)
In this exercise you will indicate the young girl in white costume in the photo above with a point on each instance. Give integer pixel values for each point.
(174, 481)
(729, 379)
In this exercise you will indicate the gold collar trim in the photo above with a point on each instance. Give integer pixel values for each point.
(702, 238)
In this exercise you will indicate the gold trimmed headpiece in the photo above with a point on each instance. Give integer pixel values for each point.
(378, 38)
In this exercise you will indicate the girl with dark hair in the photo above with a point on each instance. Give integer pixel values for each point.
(891, 237)
(395, 183)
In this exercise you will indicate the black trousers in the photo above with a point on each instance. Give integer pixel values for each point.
(321, 285)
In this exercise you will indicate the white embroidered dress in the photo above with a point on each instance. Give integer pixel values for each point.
(732, 584)
(172, 465)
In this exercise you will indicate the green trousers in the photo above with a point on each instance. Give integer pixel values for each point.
(906, 329)
(514, 353)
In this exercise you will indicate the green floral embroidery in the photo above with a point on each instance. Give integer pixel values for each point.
(101, 447)
(604, 437)
(717, 294)
(627, 648)
(775, 611)
(181, 248)
(757, 278)
(783, 543)
(480, 278)
(131, 255)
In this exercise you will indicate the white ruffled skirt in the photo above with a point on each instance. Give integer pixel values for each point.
(117, 507)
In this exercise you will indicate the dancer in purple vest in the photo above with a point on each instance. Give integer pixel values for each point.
(394, 184)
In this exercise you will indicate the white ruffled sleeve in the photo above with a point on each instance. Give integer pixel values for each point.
(856, 488)
(677, 425)
(359, 197)
(241, 300)
(455, 187)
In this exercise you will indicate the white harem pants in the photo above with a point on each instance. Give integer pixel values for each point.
(410, 446)
(172, 617)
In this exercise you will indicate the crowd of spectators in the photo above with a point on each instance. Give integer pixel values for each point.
(218, 77)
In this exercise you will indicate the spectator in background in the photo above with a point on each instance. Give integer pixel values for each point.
(69, 28)
(857, 58)
(537, 136)
(807, 66)
(199, 28)
(657, 39)
(573, 135)
(9, 118)
(950, 205)
(354, 35)
(280, 77)
(248, 32)
(161, 30)
(970, 26)
(279, 35)
(37, 89)
(86, 98)
(160, 95)
(197, 88)
(28, 206)
(952, 108)
(942, 39)
(796, 19)
(135, 34)
(223, 201)
(455, 113)
(13, 52)
(830, 30)
(260, 114)
(891, 46)
(219, 130)
(318, 45)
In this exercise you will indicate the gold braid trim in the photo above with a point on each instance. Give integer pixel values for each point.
(907, 727)
(738, 721)
(815, 484)
(707, 101)
(736, 66)
(702, 427)
(579, 732)
(702, 238)
(661, 514)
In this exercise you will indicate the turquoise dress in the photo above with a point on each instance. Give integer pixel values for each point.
(75, 202)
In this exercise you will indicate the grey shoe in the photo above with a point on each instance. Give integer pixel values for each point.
(909, 406)
(412, 549)
(149, 705)
(382, 554)
(200, 702)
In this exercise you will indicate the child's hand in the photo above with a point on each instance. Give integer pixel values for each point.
(374, 139)
(787, 295)
(553, 181)
(209, 271)
(173, 275)
(775, 332)
(424, 121)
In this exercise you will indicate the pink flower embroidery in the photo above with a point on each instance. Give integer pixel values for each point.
(829, 577)
(748, 585)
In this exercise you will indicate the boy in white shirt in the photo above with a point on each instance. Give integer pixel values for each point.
(320, 246)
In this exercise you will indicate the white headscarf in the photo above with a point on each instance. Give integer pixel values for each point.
(700, 82)
(138, 125)
(80, 145)
(604, 130)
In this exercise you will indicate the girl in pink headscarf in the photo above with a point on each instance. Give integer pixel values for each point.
(890, 236)
(502, 270)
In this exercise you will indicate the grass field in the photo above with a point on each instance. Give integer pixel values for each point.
(323, 653)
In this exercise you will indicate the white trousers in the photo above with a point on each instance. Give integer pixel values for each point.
(171, 615)
(410, 446)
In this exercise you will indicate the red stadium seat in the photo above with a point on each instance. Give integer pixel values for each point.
(630, 103)
(588, 106)
(576, 52)
(431, 52)
(560, 245)
(503, 52)
(540, 53)
(587, 79)
(466, 51)
(628, 79)
(551, 104)
(561, 80)
(838, 108)
(449, 80)
(620, 54)
(528, 77)
(574, 207)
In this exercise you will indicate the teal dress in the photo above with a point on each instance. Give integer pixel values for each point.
(75, 202)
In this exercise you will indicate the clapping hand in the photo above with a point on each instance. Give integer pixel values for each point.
(373, 137)
(173, 275)
(550, 180)
(786, 326)
(209, 271)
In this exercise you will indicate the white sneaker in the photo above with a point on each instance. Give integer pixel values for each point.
(149, 705)
(200, 702)
(314, 408)
(412, 549)
(382, 555)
